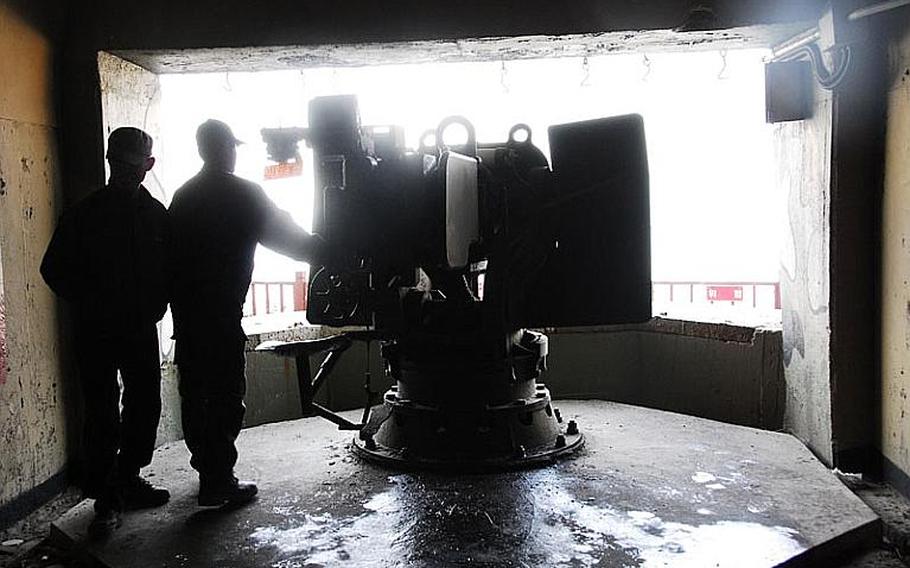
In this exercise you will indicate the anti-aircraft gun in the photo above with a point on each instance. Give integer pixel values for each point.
(450, 256)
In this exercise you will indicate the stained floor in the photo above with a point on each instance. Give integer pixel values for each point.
(650, 489)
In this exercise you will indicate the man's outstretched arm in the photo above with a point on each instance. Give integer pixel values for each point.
(280, 233)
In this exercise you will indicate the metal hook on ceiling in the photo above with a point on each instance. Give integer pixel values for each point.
(646, 61)
(227, 82)
(503, 77)
(723, 69)
(586, 72)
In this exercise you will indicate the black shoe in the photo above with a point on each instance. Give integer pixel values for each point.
(138, 493)
(228, 492)
(106, 520)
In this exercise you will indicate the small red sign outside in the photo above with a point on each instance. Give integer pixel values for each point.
(725, 293)
(285, 170)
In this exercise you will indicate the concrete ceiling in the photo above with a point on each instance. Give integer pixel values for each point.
(482, 49)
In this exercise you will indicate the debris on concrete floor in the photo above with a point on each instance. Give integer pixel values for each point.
(893, 509)
(879, 558)
(44, 555)
(25, 543)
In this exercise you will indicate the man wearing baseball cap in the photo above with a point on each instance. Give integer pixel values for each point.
(218, 219)
(107, 259)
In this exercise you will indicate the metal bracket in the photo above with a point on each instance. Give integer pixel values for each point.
(837, 28)
(309, 385)
(805, 46)
(835, 35)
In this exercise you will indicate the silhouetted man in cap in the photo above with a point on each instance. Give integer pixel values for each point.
(107, 259)
(218, 219)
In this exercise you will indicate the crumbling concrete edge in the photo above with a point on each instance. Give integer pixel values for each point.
(62, 539)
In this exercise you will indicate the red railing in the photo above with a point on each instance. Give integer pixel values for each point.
(291, 296)
(761, 294)
(277, 297)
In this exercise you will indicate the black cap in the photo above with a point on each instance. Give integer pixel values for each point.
(130, 145)
(215, 133)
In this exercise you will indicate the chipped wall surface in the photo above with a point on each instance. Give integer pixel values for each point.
(829, 167)
(458, 50)
(131, 96)
(895, 282)
(33, 436)
(4, 353)
(803, 155)
(244, 23)
(26, 67)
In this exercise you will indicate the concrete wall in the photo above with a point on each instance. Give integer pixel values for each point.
(829, 167)
(803, 154)
(714, 371)
(33, 426)
(895, 282)
(856, 189)
(131, 96)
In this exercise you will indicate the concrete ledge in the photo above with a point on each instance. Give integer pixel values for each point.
(722, 372)
(718, 331)
(728, 373)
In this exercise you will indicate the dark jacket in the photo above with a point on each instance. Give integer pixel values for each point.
(108, 257)
(218, 219)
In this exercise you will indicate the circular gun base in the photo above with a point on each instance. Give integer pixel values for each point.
(521, 434)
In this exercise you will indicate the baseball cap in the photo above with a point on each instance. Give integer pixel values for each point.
(215, 132)
(130, 145)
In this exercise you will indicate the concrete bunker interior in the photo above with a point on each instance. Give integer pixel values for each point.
(625, 350)
(799, 368)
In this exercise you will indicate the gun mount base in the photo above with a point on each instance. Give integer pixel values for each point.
(501, 438)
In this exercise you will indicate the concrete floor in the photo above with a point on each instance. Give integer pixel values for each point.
(651, 489)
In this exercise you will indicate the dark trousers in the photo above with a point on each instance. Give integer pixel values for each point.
(119, 429)
(212, 386)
